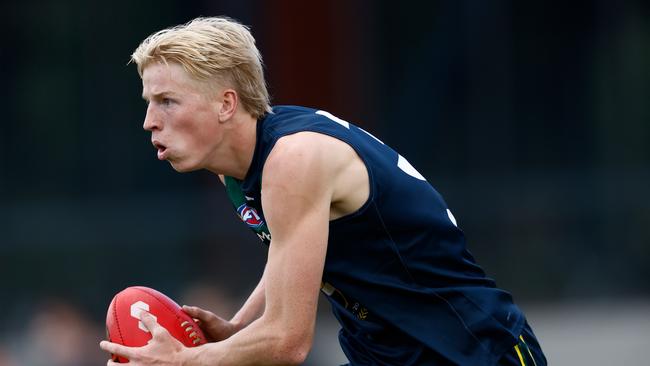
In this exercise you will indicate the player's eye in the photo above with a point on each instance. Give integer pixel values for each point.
(166, 101)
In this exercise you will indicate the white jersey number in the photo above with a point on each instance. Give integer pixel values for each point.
(402, 163)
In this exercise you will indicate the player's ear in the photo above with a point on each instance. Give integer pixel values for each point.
(228, 104)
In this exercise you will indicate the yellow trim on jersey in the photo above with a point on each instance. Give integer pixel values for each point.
(528, 349)
(519, 354)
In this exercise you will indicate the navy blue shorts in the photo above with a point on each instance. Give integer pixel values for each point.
(525, 353)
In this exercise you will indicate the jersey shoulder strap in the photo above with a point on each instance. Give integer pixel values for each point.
(249, 214)
(233, 189)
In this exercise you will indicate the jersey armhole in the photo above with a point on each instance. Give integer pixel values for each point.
(371, 178)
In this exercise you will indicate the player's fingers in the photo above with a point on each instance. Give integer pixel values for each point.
(191, 310)
(197, 312)
(118, 349)
(150, 323)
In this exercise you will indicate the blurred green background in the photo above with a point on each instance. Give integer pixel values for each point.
(531, 118)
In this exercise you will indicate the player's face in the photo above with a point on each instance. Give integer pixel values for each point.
(181, 116)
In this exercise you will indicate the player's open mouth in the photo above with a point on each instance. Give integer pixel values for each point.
(161, 150)
(161, 153)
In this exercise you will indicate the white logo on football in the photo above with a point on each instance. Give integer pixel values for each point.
(136, 311)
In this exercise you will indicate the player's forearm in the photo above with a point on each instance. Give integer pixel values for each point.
(252, 308)
(261, 343)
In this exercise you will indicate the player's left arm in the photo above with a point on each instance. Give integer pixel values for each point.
(297, 193)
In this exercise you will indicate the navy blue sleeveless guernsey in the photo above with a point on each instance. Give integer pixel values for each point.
(398, 275)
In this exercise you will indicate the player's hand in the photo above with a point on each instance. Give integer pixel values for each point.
(214, 327)
(162, 349)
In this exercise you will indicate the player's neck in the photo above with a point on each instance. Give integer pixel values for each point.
(239, 146)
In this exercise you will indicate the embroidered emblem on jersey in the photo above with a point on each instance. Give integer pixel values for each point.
(337, 296)
(250, 216)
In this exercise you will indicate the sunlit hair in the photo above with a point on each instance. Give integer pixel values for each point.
(212, 49)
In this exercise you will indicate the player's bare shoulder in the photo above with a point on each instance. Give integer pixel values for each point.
(300, 147)
(334, 162)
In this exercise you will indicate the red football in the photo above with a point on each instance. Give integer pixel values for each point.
(123, 324)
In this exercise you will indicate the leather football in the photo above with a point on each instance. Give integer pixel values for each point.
(123, 324)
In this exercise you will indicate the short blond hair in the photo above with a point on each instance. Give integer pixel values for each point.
(212, 48)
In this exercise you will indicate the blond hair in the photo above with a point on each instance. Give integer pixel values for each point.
(212, 48)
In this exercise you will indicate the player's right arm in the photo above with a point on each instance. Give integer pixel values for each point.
(217, 329)
(253, 308)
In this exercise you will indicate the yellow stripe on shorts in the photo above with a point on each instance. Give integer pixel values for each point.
(528, 349)
(519, 354)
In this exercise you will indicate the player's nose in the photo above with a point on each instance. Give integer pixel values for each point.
(151, 120)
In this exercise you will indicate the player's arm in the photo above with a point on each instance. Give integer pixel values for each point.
(254, 305)
(252, 308)
(217, 328)
(296, 195)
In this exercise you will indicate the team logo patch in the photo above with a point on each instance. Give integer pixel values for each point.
(250, 216)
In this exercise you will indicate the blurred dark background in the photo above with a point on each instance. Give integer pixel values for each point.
(531, 118)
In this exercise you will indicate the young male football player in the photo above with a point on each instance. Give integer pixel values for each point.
(341, 212)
